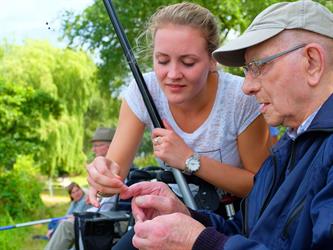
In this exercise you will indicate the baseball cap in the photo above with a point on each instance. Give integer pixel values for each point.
(103, 134)
(305, 14)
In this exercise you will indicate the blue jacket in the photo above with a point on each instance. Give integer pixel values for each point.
(291, 203)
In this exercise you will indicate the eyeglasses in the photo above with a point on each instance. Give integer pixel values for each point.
(255, 66)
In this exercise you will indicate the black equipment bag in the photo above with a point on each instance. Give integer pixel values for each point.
(93, 231)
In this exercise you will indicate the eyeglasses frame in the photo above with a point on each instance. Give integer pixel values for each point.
(254, 67)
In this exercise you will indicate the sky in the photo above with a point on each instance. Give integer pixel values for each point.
(26, 19)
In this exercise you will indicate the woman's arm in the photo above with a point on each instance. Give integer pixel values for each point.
(104, 173)
(126, 140)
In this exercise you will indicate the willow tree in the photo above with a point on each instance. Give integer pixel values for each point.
(63, 78)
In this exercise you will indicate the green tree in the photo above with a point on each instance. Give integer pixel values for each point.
(44, 106)
(92, 29)
(22, 111)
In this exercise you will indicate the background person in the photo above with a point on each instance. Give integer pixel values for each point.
(291, 203)
(64, 236)
(78, 204)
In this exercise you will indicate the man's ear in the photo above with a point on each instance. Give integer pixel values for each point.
(212, 65)
(315, 55)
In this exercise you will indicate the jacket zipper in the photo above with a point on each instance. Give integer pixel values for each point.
(292, 217)
(244, 208)
(282, 177)
(268, 197)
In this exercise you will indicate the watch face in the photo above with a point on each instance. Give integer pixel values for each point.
(194, 164)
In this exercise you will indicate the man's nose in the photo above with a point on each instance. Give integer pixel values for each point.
(251, 85)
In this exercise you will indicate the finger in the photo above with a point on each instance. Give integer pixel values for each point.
(146, 187)
(103, 182)
(115, 169)
(92, 197)
(157, 141)
(104, 166)
(142, 238)
(158, 132)
(140, 243)
(159, 203)
(101, 179)
(115, 186)
(167, 125)
(125, 193)
(138, 212)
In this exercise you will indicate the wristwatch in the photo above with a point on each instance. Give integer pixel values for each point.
(192, 164)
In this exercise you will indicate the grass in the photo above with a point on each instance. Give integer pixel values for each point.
(56, 206)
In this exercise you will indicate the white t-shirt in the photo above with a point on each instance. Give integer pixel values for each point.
(107, 203)
(216, 138)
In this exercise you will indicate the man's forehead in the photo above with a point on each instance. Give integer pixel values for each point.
(261, 50)
(254, 53)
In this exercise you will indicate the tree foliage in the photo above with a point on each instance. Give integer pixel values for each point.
(22, 111)
(92, 28)
(46, 93)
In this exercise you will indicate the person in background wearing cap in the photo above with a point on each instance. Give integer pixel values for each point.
(287, 55)
(64, 236)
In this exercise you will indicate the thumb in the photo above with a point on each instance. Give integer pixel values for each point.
(161, 204)
(167, 125)
(92, 197)
(115, 169)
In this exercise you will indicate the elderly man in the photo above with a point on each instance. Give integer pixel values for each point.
(287, 56)
(64, 237)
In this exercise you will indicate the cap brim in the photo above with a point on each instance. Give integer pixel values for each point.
(232, 54)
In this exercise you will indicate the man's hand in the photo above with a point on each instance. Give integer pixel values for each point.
(151, 199)
(167, 232)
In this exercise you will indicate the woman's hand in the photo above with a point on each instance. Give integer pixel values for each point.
(103, 179)
(170, 147)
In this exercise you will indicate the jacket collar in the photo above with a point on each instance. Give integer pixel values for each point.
(324, 117)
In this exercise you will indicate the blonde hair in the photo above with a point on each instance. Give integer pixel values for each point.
(184, 13)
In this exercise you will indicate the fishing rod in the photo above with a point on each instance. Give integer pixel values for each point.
(151, 108)
(36, 222)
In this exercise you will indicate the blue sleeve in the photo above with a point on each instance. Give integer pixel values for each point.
(224, 234)
(322, 215)
(227, 227)
(217, 230)
(70, 208)
(320, 225)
